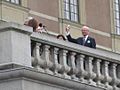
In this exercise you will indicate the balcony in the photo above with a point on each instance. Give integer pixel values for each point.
(52, 64)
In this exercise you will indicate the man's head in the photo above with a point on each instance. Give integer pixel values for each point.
(85, 30)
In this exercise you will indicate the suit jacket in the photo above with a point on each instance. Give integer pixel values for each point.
(90, 42)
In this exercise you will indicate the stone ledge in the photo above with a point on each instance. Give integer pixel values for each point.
(7, 66)
(4, 26)
(31, 73)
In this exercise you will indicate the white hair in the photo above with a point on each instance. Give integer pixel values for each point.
(85, 27)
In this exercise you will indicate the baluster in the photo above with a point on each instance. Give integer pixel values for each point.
(80, 65)
(99, 76)
(107, 79)
(115, 80)
(73, 70)
(46, 57)
(37, 62)
(63, 61)
(56, 65)
(118, 74)
(89, 67)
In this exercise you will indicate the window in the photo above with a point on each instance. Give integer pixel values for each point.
(71, 10)
(14, 1)
(117, 16)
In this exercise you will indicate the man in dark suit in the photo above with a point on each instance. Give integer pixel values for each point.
(86, 40)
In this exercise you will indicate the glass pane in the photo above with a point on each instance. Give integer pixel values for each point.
(72, 8)
(76, 9)
(118, 23)
(118, 30)
(116, 7)
(76, 17)
(67, 15)
(13, 1)
(72, 1)
(72, 17)
(17, 1)
(75, 2)
(117, 15)
(116, 1)
(66, 1)
(67, 7)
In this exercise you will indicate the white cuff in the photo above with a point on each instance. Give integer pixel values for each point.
(67, 33)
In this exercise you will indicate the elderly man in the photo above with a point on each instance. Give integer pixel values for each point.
(86, 40)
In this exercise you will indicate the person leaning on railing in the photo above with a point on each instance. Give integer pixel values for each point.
(32, 22)
(41, 28)
(86, 40)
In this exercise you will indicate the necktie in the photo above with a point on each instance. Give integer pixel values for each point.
(83, 40)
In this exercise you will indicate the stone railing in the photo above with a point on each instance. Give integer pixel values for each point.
(67, 60)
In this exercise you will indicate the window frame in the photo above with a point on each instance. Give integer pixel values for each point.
(68, 11)
(17, 2)
(117, 16)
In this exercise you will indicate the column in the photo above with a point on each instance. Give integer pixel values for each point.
(15, 44)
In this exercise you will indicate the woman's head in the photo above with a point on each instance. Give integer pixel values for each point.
(61, 37)
(33, 23)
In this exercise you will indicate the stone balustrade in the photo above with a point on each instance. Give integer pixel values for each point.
(70, 61)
